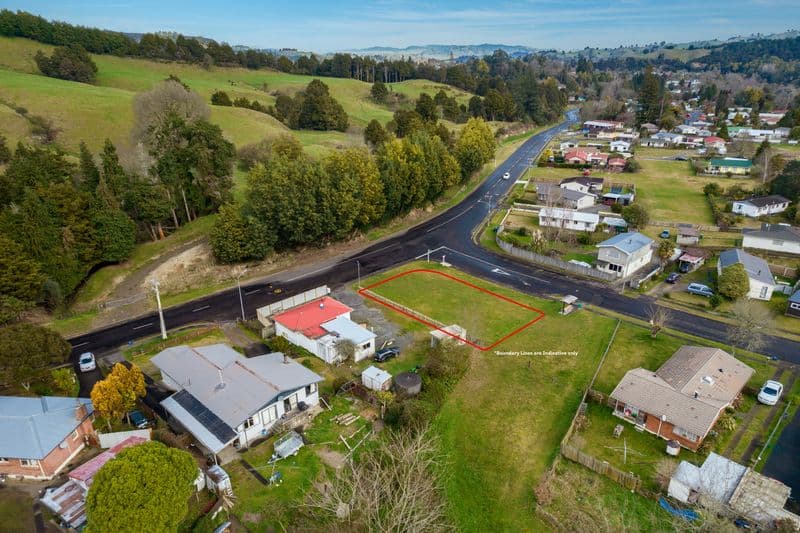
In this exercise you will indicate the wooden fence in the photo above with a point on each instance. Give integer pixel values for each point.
(552, 262)
(784, 271)
(626, 479)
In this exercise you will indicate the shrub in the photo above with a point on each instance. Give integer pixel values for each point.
(68, 63)
(221, 98)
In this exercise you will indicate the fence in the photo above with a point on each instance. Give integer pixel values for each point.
(784, 271)
(109, 440)
(626, 479)
(263, 313)
(533, 257)
(672, 224)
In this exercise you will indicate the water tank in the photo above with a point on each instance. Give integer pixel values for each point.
(673, 448)
(408, 383)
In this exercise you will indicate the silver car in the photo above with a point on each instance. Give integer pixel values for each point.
(86, 362)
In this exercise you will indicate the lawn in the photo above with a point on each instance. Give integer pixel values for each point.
(16, 513)
(502, 424)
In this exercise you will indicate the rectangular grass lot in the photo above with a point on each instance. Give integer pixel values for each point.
(489, 318)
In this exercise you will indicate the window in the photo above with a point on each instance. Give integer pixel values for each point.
(366, 346)
(764, 290)
(311, 389)
(794, 305)
(269, 414)
(250, 422)
(614, 268)
(29, 463)
(688, 435)
(75, 435)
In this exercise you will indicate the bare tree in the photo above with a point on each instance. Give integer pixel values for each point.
(151, 109)
(346, 350)
(751, 322)
(658, 316)
(391, 487)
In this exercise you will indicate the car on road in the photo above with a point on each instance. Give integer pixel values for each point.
(673, 278)
(681, 158)
(664, 234)
(86, 362)
(770, 393)
(506, 175)
(700, 289)
(138, 420)
(386, 353)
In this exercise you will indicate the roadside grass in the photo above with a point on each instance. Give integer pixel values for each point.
(487, 237)
(502, 424)
(16, 513)
(585, 501)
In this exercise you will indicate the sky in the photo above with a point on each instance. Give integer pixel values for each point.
(331, 25)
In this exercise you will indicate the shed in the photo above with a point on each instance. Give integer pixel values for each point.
(408, 383)
(217, 479)
(453, 332)
(375, 378)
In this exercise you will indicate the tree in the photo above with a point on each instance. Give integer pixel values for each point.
(90, 175)
(152, 108)
(665, 250)
(722, 131)
(26, 350)
(20, 276)
(650, 96)
(426, 108)
(750, 322)
(68, 63)
(405, 122)
(476, 108)
(118, 393)
(107, 401)
(474, 147)
(5, 152)
(379, 91)
(733, 282)
(357, 192)
(658, 316)
(64, 381)
(238, 237)
(636, 215)
(787, 183)
(116, 234)
(221, 98)
(144, 488)
(375, 134)
(320, 111)
(712, 189)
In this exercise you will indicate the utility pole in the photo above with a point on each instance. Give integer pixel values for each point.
(358, 266)
(155, 284)
(239, 285)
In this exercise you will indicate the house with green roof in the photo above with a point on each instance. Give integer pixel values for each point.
(729, 165)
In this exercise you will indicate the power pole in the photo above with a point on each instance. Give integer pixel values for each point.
(239, 285)
(155, 284)
(358, 266)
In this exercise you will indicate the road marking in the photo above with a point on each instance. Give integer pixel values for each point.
(421, 256)
(203, 308)
(143, 325)
(500, 271)
(449, 220)
(252, 292)
(492, 264)
(79, 345)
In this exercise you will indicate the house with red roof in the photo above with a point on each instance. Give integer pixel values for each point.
(585, 157)
(320, 326)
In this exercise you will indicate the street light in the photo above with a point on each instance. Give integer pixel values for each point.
(239, 285)
(154, 282)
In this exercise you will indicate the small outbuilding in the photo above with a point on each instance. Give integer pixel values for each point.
(453, 332)
(376, 379)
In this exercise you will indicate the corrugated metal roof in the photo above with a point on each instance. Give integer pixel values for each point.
(347, 329)
(308, 318)
(30, 428)
(756, 268)
(569, 214)
(628, 242)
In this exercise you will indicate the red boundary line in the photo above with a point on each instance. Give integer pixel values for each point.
(363, 290)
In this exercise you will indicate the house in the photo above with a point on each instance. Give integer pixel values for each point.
(714, 143)
(683, 399)
(620, 146)
(773, 237)
(557, 217)
(691, 259)
(376, 379)
(625, 253)
(566, 146)
(649, 127)
(771, 119)
(617, 196)
(793, 305)
(584, 184)
(549, 194)
(688, 236)
(68, 500)
(223, 398)
(757, 206)
(603, 125)
(616, 164)
(581, 156)
(722, 482)
(40, 436)
(729, 165)
(685, 129)
(320, 325)
(663, 139)
(761, 281)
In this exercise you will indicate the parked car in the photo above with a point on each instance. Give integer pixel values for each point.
(700, 289)
(138, 420)
(86, 362)
(386, 353)
(681, 158)
(506, 175)
(673, 278)
(664, 234)
(770, 393)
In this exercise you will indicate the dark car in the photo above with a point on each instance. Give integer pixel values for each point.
(138, 420)
(386, 353)
(673, 278)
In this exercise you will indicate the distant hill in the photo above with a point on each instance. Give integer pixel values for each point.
(441, 51)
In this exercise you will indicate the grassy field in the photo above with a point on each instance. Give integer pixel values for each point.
(94, 112)
(502, 424)
(16, 514)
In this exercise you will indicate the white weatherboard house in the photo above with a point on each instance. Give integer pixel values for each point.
(556, 217)
(761, 281)
(757, 206)
(625, 253)
(223, 398)
(773, 237)
(320, 325)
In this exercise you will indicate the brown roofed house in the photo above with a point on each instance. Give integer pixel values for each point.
(683, 399)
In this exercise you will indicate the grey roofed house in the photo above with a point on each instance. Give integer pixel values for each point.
(778, 232)
(218, 388)
(627, 242)
(33, 427)
(756, 268)
(550, 192)
(593, 183)
(763, 201)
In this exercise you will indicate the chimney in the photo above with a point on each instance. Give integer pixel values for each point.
(221, 384)
(696, 395)
(80, 410)
(285, 359)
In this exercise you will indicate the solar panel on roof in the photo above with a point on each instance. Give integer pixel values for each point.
(202, 414)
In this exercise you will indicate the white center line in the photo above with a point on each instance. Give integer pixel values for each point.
(143, 325)
(200, 308)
